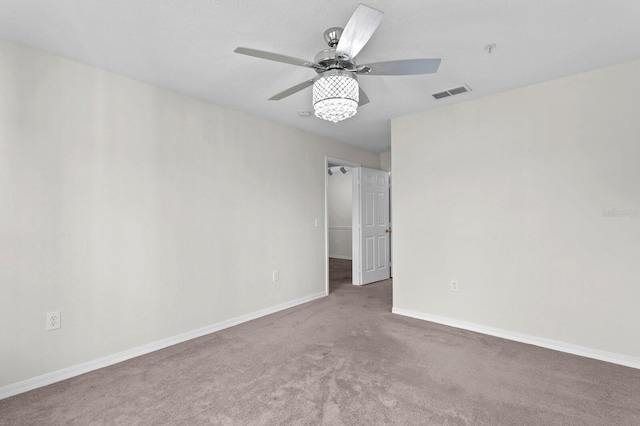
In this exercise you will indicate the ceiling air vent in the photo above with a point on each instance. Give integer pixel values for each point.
(451, 92)
(441, 95)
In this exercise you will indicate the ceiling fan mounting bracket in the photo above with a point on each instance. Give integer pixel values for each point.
(332, 36)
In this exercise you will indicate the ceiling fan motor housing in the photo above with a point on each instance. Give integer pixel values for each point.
(328, 59)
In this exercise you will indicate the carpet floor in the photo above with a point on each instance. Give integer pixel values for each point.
(341, 360)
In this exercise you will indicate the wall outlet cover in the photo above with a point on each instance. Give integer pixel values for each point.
(53, 320)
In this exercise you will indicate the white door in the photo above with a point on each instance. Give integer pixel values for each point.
(371, 226)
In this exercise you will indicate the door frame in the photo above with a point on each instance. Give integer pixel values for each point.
(338, 162)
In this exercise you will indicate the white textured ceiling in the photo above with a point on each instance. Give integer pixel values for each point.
(187, 46)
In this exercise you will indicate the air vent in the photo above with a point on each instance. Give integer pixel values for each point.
(441, 95)
(451, 92)
(458, 90)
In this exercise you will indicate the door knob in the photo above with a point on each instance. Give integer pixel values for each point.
(388, 230)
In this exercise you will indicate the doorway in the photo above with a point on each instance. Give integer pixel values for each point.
(339, 199)
(357, 222)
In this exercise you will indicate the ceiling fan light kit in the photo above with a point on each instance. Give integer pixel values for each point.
(336, 93)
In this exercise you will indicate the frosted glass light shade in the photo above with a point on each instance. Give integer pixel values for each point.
(336, 95)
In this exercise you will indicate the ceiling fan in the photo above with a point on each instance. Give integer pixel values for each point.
(336, 93)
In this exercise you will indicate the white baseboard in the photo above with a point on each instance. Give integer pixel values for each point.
(76, 370)
(612, 357)
(338, 256)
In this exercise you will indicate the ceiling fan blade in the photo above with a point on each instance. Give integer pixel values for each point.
(292, 90)
(278, 57)
(358, 31)
(364, 99)
(404, 67)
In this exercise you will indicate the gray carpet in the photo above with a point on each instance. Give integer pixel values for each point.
(343, 359)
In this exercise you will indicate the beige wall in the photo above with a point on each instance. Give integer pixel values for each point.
(506, 194)
(142, 214)
(385, 161)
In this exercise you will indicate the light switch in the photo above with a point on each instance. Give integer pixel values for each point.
(318, 222)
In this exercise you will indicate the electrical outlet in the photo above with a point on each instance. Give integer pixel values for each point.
(318, 222)
(454, 285)
(276, 275)
(53, 320)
